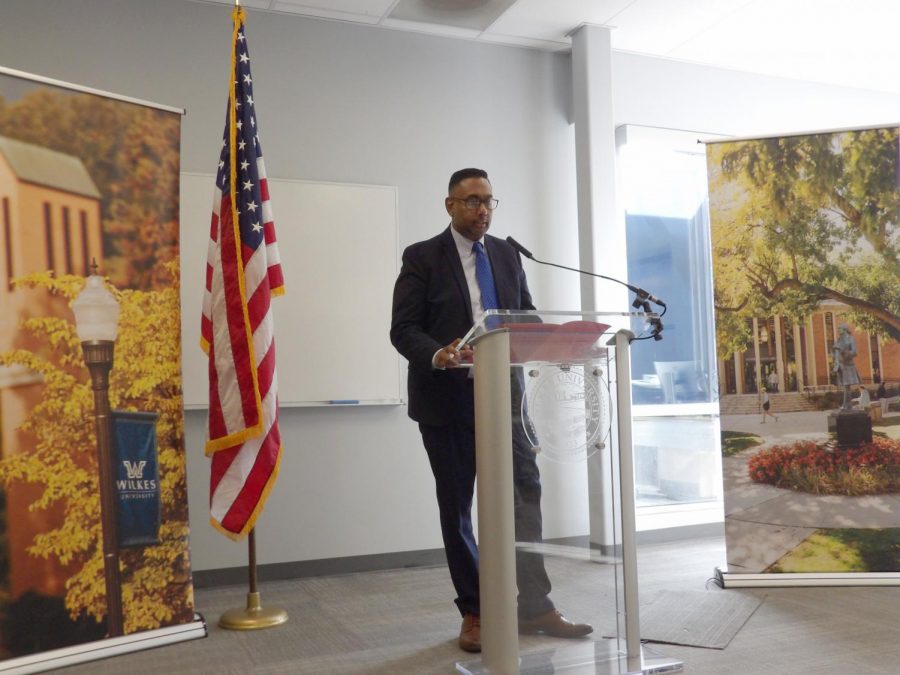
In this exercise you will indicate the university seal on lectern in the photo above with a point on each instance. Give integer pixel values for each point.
(566, 411)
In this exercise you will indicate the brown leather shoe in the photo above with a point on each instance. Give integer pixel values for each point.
(555, 624)
(470, 633)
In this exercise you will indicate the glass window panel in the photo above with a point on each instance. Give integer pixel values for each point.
(662, 176)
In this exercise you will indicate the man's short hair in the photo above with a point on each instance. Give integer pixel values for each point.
(461, 175)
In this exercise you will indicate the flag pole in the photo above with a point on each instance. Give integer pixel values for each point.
(253, 616)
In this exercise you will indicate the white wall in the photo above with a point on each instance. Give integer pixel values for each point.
(346, 103)
(678, 95)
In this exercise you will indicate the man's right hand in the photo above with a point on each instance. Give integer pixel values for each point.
(453, 355)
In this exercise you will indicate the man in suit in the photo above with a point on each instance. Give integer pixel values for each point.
(438, 296)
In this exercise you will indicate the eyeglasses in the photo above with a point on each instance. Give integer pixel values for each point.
(473, 202)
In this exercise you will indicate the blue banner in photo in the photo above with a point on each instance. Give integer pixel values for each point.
(137, 478)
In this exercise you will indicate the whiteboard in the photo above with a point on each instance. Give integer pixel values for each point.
(339, 248)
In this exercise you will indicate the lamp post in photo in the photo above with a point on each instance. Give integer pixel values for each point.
(96, 320)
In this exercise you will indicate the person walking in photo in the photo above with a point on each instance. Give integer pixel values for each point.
(766, 407)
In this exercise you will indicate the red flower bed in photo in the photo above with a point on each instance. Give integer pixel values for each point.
(871, 468)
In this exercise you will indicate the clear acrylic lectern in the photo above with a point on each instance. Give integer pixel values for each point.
(553, 393)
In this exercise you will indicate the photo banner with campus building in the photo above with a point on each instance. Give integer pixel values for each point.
(806, 269)
(89, 187)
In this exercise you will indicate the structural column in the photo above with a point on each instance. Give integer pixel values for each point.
(780, 363)
(799, 348)
(739, 373)
(601, 231)
(811, 352)
(758, 356)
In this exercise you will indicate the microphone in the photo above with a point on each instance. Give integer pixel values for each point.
(642, 295)
(521, 249)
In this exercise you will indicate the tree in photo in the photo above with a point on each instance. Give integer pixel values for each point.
(799, 220)
(132, 154)
(146, 376)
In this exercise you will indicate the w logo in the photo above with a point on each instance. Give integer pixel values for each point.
(135, 470)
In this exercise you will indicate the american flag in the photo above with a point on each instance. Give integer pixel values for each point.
(243, 273)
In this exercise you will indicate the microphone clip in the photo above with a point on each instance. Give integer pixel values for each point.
(656, 324)
(641, 298)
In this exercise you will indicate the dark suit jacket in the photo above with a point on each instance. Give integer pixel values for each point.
(431, 308)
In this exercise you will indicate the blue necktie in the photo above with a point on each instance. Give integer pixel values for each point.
(485, 278)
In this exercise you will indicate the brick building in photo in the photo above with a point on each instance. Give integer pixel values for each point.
(799, 355)
(50, 219)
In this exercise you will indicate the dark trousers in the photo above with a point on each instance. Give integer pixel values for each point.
(451, 452)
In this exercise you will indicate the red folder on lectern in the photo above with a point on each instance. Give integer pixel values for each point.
(533, 338)
(553, 342)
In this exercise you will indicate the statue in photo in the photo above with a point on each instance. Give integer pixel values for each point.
(844, 352)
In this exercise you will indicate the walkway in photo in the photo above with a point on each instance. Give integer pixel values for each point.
(763, 522)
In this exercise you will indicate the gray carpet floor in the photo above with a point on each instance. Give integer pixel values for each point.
(403, 621)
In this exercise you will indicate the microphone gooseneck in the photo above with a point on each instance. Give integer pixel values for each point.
(642, 300)
(640, 292)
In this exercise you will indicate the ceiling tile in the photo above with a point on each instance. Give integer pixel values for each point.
(659, 26)
(820, 41)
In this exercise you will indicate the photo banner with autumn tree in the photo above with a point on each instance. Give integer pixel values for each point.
(89, 185)
(806, 270)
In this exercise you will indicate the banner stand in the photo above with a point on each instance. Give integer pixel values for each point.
(102, 649)
(805, 503)
(772, 580)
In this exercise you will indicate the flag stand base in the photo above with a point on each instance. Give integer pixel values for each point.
(253, 617)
